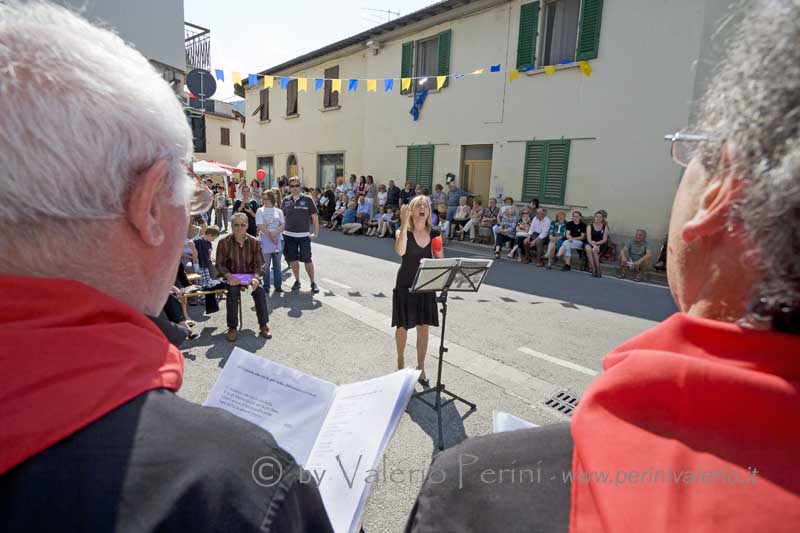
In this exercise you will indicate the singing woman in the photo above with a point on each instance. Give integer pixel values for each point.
(415, 240)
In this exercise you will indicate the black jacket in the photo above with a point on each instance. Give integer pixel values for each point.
(507, 482)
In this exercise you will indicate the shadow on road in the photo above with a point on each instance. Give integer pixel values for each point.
(452, 421)
(578, 288)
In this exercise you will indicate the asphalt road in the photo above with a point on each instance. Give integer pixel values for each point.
(527, 334)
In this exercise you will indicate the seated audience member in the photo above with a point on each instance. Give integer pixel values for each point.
(374, 222)
(575, 237)
(438, 194)
(523, 227)
(240, 254)
(474, 220)
(489, 215)
(341, 207)
(382, 197)
(558, 233)
(460, 218)
(364, 210)
(538, 238)
(203, 247)
(385, 226)
(418, 190)
(350, 224)
(506, 226)
(175, 313)
(506, 218)
(698, 413)
(341, 187)
(597, 242)
(93, 436)
(635, 256)
(441, 218)
(330, 202)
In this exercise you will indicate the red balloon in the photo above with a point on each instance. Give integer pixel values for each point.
(260, 174)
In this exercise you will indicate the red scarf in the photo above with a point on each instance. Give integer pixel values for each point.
(68, 355)
(691, 398)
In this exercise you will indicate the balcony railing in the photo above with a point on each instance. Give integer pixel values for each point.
(198, 46)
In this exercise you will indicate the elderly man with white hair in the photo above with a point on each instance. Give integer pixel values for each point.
(93, 153)
(695, 424)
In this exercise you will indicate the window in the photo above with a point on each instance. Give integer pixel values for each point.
(331, 99)
(426, 58)
(263, 104)
(570, 31)
(267, 165)
(330, 167)
(291, 98)
(545, 174)
(225, 136)
(242, 140)
(419, 165)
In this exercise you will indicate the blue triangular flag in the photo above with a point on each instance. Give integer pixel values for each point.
(220, 75)
(458, 76)
(495, 68)
(353, 85)
(284, 82)
(388, 83)
(318, 82)
(252, 80)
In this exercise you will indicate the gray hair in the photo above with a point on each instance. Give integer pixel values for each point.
(754, 102)
(238, 215)
(84, 114)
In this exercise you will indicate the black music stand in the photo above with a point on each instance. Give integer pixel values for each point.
(445, 275)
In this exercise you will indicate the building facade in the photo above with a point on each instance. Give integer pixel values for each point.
(571, 140)
(225, 137)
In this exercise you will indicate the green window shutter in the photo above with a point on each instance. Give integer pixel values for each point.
(407, 63)
(532, 175)
(412, 164)
(445, 38)
(555, 172)
(528, 32)
(589, 30)
(425, 174)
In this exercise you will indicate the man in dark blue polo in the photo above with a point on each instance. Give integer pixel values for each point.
(299, 210)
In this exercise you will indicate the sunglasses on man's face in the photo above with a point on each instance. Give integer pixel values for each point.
(294, 186)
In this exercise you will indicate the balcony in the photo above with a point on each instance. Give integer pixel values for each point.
(197, 42)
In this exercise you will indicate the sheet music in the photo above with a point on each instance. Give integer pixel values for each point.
(352, 439)
(502, 421)
(288, 403)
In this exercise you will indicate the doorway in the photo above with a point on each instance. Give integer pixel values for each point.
(291, 166)
(476, 170)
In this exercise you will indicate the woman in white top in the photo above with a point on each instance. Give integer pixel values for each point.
(381, 197)
(270, 222)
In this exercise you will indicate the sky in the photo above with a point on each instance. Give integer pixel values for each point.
(258, 34)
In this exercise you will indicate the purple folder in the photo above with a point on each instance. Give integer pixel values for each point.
(245, 279)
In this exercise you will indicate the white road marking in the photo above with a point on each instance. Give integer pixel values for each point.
(513, 381)
(336, 283)
(557, 361)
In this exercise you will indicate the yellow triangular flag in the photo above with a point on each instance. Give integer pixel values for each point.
(586, 68)
(549, 70)
(479, 71)
(268, 80)
(440, 81)
(372, 86)
(336, 86)
(302, 84)
(513, 74)
(405, 83)
(237, 78)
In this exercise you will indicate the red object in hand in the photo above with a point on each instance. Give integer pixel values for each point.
(260, 174)
(436, 244)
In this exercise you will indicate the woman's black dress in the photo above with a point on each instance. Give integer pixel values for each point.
(412, 310)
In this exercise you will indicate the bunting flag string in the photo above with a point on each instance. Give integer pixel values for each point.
(371, 84)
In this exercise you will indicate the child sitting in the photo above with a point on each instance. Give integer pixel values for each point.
(385, 225)
(375, 222)
(203, 247)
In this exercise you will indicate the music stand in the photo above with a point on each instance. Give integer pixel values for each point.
(445, 275)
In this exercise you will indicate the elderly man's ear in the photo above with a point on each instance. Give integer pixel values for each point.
(146, 205)
(719, 192)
